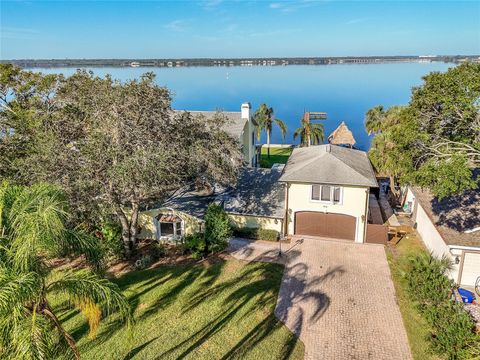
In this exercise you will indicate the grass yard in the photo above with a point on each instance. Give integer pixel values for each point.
(416, 326)
(278, 155)
(218, 311)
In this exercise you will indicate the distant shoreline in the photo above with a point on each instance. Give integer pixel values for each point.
(212, 62)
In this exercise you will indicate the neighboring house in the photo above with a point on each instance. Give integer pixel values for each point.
(256, 201)
(450, 228)
(327, 192)
(322, 191)
(239, 125)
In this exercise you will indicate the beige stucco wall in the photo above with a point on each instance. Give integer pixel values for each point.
(353, 204)
(256, 222)
(147, 224)
(430, 235)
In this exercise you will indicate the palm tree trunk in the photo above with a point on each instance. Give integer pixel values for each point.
(47, 311)
(268, 144)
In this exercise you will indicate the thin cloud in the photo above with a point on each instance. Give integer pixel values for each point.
(290, 6)
(18, 33)
(179, 25)
(357, 21)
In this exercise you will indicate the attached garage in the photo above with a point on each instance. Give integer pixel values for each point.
(312, 223)
(470, 268)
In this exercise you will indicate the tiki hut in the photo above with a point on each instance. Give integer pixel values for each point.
(342, 136)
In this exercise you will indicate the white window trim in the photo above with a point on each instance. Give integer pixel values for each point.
(173, 236)
(332, 189)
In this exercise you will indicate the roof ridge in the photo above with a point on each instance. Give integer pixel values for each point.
(356, 171)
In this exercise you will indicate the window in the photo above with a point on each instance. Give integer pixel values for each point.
(336, 194)
(327, 193)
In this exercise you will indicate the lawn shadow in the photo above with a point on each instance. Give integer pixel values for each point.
(139, 348)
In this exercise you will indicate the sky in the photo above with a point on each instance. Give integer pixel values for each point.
(216, 28)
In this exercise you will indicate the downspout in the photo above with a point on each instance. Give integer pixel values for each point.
(365, 222)
(285, 230)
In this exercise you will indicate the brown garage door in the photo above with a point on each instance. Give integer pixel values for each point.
(326, 225)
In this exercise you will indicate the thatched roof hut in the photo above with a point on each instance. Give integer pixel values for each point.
(342, 136)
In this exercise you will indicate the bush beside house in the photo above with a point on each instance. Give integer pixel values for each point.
(452, 328)
(256, 233)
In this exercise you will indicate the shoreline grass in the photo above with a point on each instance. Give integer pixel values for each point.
(278, 155)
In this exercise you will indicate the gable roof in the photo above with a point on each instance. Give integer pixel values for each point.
(329, 164)
(234, 123)
(454, 215)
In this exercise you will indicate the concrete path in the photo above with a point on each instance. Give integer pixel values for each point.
(337, 296)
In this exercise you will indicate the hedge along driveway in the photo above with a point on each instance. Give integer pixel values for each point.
(218, 311)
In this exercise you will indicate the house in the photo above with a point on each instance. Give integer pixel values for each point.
(238, 125)
(322, 191)
(327, 192)
(256, 201)
(449, 227)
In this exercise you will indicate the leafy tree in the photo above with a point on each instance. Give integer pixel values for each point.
(264, 119)
(434, 141)
(116, 147)
(217, 228)
(33, 231)
(310, 133)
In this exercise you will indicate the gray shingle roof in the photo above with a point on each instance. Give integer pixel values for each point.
(329, 164)
(257, 193)
(234, 123)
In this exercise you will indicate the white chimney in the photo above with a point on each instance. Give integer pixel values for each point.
(246, 110)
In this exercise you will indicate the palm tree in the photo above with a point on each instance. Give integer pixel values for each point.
(374, 119)
(264, 120)
(33, 231)
(310, 133)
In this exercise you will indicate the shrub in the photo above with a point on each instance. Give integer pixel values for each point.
(158, 250)
(144, 262)
(195, 243)
(111, 239)
(429, 286)
(217, 229)
(257, 233)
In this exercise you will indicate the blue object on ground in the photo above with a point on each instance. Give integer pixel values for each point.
(467, 296)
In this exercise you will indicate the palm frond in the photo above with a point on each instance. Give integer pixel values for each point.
(37, 219)
(283, 127)
(17, 289)
(82, 285)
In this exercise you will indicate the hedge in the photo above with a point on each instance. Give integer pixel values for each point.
(256, 233)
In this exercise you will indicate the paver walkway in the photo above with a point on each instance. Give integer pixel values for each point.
(338, 297)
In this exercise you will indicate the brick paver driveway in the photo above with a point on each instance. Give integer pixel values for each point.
(338, 297)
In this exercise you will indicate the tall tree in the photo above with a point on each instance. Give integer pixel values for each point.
(310, 133)
(264, 120)
(33, 230)
(434, 141)
(121, 146)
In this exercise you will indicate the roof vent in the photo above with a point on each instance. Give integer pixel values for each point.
(327, 148)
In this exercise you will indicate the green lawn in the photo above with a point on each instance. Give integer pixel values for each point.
(416, 326)
(219, 311)
(277, 156)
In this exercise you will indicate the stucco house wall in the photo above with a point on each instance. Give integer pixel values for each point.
(353, 204)
(256, 222)
(148, 228)
(430, 235)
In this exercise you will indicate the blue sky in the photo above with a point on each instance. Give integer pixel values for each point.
(215, 28)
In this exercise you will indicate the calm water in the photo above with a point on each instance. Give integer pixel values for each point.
(345, 92)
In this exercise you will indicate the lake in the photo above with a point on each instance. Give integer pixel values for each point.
(344, 92)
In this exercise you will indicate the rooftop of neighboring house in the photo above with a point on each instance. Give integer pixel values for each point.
(329, 164)
(455, 217)
(234, 123)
